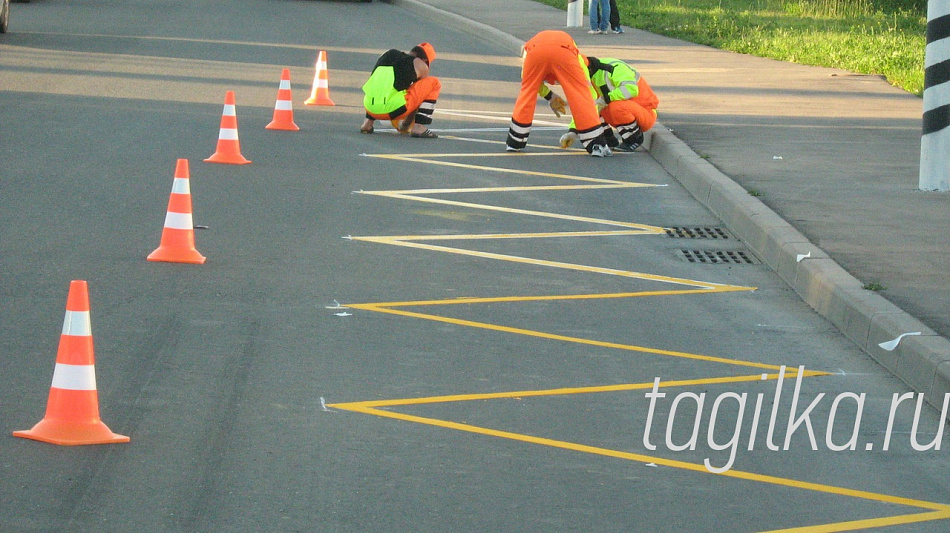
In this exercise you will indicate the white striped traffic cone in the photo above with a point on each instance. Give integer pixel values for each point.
(72, 412)
(283, 109)
(320, 94)
(229, 147)
(178, 235)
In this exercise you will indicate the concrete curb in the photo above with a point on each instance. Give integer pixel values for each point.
(865, 317)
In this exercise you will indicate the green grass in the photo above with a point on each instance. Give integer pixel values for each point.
(885, 37)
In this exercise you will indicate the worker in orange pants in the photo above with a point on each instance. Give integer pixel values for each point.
(626, 100)
(552, 57)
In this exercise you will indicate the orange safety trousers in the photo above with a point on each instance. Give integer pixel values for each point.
(551, 56)
(422, 91)
(641, 109)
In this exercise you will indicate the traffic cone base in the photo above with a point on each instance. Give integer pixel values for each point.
(176, 254)
(230, 159)
(277, 125)
(72, 411)
(71, 433)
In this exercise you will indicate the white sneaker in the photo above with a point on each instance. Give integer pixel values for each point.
(600, 150)
(512, 149)
(568, 139)
(594, 32)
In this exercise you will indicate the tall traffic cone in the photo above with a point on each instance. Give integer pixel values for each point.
(320, 94)
(72, 411)
(178, 236)
(283, 109)
(229, 147)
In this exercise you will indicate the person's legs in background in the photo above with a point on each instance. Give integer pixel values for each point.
(615, 17)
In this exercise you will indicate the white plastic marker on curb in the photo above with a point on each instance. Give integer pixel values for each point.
(799, 257)
(891, 345)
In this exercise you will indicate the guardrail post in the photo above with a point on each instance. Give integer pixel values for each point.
(575, 13)
(935, 142)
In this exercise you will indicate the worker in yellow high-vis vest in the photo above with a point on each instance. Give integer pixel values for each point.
(625, 100)
(401, 90)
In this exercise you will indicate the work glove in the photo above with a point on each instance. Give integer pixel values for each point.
(568, 139)
(558, 105)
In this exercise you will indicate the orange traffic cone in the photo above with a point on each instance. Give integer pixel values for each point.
(283, 109)
(320, 94)
(72, 412)
(178, 237)
(229, 147)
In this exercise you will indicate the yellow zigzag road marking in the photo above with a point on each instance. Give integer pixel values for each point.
(573, 390)
(940, 511)
(424, 158)
(651, 229)
(556, 264)
(489, 236)
(869, 523)
(609, 184)
(390, 308)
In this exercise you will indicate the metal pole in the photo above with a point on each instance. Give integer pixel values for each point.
(575, 13)
(935, 142)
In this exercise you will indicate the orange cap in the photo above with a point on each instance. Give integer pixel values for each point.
(430, 52)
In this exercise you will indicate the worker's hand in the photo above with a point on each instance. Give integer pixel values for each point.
(558, 105)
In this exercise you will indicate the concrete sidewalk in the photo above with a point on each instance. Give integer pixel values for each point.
(831, 159)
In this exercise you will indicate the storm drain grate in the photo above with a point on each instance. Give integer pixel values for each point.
(697, 233)
(734, 257)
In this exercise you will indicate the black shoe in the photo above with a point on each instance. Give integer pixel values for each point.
(626, 147)
(427, 134)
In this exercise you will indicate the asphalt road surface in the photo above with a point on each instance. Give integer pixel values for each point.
(395, 334)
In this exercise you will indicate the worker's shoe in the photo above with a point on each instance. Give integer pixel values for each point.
(600, 150)
(626, 147)
(425, 134)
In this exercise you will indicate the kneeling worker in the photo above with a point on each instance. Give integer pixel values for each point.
(626, 102)
(401, 89)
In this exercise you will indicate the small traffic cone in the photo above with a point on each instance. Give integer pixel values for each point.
(283, 109)
(320, 94)
(72, 411)
(229, 147)
(178, 236)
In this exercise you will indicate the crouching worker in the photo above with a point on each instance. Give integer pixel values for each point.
(625, 100)
(401, 90)
(552, 57)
